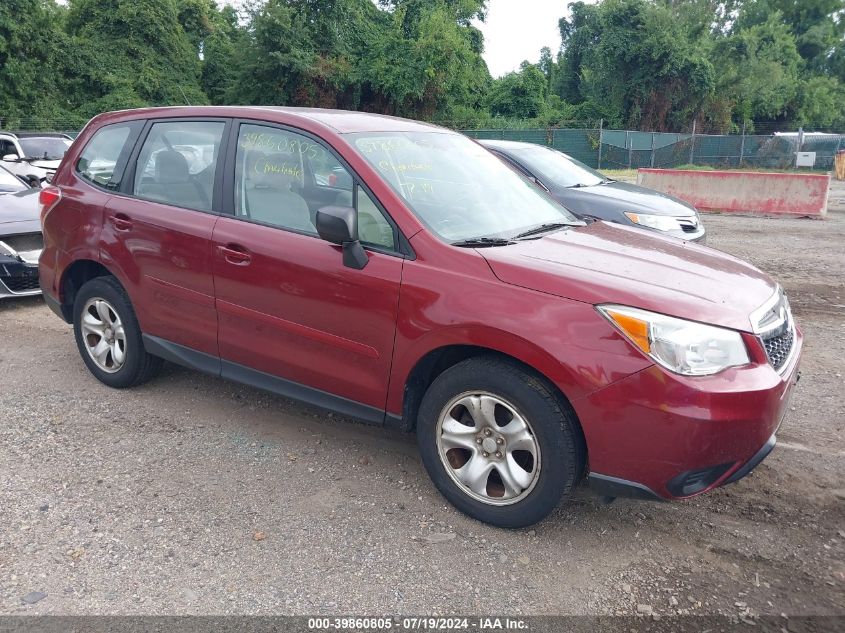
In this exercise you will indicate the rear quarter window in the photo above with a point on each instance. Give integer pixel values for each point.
(104, 158)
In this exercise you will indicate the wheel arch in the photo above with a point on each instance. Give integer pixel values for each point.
(433, 363)
(73, 278)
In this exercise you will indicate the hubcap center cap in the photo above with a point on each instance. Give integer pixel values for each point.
(489, 445)
(108, 333)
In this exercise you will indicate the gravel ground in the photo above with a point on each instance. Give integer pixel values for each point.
(191, 495)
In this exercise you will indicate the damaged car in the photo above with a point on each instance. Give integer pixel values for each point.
(20, 237)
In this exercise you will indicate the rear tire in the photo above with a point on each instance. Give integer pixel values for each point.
(108, 335)
(498, 442)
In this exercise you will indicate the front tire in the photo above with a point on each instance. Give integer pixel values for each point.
(498, 443)
(108, 335)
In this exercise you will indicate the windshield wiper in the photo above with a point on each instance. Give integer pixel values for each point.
(482, 242)
(543, 228)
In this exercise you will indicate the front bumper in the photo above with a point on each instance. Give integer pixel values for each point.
(659, 435)
(17, 278)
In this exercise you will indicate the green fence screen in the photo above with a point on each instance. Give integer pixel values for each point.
(625, 149)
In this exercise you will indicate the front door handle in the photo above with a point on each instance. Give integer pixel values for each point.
(121, 222)
(235, 254)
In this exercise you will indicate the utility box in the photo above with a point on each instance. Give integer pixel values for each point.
(805, 159)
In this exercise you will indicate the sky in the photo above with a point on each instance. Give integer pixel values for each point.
(516, 30)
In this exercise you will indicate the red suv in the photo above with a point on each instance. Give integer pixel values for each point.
(400, 274)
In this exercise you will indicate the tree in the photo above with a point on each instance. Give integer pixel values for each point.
(519, 95)
(220, 48)
(817, 25)
(130, 54)
(760, 71)
(820, 103)
(633, 61)
(28, 32)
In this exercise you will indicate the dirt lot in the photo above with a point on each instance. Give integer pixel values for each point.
(193, 495)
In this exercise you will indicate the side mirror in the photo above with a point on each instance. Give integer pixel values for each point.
(339, 225)
(11, 158)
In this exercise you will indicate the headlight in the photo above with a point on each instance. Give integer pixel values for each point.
(684, 347)
(656, 222)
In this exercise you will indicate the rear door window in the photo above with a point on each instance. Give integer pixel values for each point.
(178, 162)
(103, 160)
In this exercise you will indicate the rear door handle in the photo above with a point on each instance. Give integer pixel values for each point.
(121, 222)
(235, 254)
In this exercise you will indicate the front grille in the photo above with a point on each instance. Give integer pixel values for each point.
(21, 284)
(773, 323)
(688, 224)
(779, 346)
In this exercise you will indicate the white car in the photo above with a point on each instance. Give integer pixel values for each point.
(33, 156)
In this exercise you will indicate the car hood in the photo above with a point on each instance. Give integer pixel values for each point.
(612, 263)
(631, 197)
(20, 212)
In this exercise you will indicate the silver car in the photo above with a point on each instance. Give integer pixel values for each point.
(20, 237)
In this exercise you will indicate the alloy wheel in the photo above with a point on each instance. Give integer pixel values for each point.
(488, 448)
(103, 335)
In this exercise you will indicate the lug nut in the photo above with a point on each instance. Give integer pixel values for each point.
(486, 454)
(488, 432)
(498, 453)
(478, 440)
(499, 441)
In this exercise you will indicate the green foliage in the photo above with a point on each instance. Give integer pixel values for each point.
(649, 64)
(519, 95)
(659, 64)
(26, 53)
(762, 78)
(821, 103)
(633, 61)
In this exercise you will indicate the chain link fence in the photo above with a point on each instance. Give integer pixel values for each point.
(627, 149)
(592, 144)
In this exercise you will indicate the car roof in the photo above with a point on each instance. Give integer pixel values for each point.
(35, 134)
(346, 121)
(340, 121)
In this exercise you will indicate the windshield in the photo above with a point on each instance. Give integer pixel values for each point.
(456, 187)
(9, 183)
(555, 169)
(44, 147)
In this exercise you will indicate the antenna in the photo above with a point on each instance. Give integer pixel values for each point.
(183, 94)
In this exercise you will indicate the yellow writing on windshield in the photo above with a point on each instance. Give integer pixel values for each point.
(282, 169)
(370, 146)
(404, 167)
(280, 143)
